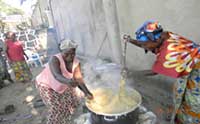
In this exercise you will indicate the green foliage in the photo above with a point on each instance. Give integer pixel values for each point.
(9, 10)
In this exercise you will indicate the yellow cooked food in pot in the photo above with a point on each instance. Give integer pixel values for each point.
(110, 102)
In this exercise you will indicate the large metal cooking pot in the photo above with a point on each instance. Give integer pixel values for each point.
(125, 117)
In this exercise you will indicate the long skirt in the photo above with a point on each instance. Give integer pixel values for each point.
(187, 98)
(22, 71)
(60, 106)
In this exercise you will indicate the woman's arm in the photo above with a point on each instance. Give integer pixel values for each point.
(135, 42)
(148, 45)
(54, 65)
(25, 54)
(79, 78)
(22, 49)
(78, 75)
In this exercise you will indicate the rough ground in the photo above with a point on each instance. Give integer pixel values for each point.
(24, 95)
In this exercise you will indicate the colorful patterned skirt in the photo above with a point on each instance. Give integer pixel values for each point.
(22, 71)
(187, 98)
(61, 106)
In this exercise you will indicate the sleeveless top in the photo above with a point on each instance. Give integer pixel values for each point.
(46, 78)
(15, 50)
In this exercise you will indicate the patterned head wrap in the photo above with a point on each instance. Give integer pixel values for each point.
(68, 44)
(150, 30)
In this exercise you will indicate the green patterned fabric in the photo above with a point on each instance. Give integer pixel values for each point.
(21, 71)
(187, 98)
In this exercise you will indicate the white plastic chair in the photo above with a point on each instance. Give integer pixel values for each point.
(33, 58)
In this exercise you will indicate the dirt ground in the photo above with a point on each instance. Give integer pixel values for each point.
(23, 96)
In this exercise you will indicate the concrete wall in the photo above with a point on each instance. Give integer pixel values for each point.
(84, 21)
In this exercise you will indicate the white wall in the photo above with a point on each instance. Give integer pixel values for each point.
(84, 22)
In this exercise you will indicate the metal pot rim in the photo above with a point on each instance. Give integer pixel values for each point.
(118, 114)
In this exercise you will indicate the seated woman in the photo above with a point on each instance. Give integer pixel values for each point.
(57, 84)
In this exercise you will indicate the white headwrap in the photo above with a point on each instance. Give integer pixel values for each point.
(68, 44)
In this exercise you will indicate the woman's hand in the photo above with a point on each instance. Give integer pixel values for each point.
(89, 96)
(85, 90)
(126, 38)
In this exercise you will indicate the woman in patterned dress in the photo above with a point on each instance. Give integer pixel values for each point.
(57, 84)
(15, 54)
(177, 57)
